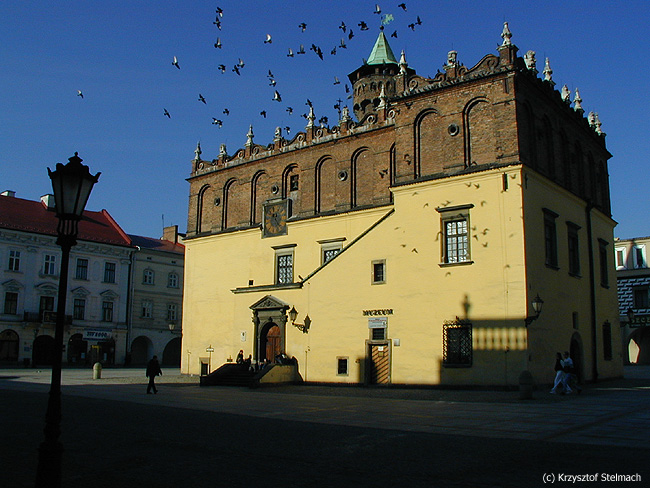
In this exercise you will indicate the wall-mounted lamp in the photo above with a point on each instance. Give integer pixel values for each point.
(172, 326)
(537, 308)
(293, 315)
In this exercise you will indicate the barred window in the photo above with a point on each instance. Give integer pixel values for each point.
(457, 343)
(172, 311)
(284, 269)
(329, 254)
(574, 249)
(342, 366)
(172, 280)
(148, 277)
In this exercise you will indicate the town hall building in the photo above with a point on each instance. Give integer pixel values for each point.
(456, 231)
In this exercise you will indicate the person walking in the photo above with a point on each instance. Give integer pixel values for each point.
(559, 374)
(153, 370)
(570, 377)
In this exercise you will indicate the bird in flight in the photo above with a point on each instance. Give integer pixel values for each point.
(308, 103)
(217, 122)
(226, 111)
(268, 39)
(277, 97)
(217, 22)
(263, 113)
(342, 27)
(272, 82)
(236, 69)
(402, 6)
(80, 94)
(218, 43)
(377, 9)
(166, 113)
(290, 55)
(336, 80)
(175, 63)
(394, 34)
(201, 99)
(301, 50)
(363, 25)
(350, 35)
(287, 129)
(333, 51)
(240, 63)
(222, 68)
(290, 110)
(219, 11)
(302, 26)
(342, 45)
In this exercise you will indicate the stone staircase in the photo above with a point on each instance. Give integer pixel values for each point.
(229, 374)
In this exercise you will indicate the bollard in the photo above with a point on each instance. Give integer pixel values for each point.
(525, 385)
(97, 371)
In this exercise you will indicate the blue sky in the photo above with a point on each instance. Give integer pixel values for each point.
(119, 53)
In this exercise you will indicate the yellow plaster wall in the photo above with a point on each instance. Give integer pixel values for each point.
(421, 293)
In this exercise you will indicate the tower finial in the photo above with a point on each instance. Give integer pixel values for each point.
(197, 152)
(402, 63)
(249, 136)
(506, 35)
(531, 62)
(548, 73)
(577, 103)
(310, 118)
(566, 95)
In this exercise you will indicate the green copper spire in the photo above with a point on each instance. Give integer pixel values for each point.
(382, 53)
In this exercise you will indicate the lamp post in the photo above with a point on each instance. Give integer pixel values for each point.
(293, 315)
(72, 184)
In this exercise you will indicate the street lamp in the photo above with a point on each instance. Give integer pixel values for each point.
(72, 184)
(293, 315)
(537, 308)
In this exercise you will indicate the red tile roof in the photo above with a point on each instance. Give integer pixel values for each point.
(157, 244)
(29, 216)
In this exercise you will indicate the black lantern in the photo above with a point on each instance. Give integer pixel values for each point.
(72, 184)
(537, 308)
(293, 315)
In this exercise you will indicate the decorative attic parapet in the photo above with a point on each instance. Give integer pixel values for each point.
(312, 136)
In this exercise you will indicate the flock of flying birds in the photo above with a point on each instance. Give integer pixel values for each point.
(347, 35)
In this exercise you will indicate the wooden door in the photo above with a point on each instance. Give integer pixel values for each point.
(273, 343)
(379, 364)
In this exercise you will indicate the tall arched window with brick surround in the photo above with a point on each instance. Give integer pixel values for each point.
(480, 139)
(203, 204)
(428, 142)
(227, 204)
(259, 192)
(548, 147)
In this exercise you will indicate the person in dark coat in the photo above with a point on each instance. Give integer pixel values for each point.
(153, 370)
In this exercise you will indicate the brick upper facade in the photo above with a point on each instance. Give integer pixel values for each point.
(409, 129)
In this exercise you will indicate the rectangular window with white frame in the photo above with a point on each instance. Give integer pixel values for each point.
(550, 239)
(574, 248)
(147, 309)
(342, 366)
(148, 276)
(172, 311)
(284, 257)
(620, 258)
(455, 230)
(49, 265)
(14, 260)
(107, 311)
(81, 272)
(639, 257)
(11, 303)
(378, 272)
(79, 311)
(109, 272)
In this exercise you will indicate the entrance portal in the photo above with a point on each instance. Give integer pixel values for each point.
(271, 342)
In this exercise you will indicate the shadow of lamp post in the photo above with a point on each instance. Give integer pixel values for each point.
(72, 184)
(526, 378)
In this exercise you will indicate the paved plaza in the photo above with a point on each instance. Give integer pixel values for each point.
(114, 434)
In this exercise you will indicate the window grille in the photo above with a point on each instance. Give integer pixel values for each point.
(457, 343)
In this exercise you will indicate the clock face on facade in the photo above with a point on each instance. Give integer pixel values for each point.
(275, 219)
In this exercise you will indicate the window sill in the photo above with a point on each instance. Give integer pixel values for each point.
(456, 366)
(553, 267)
(575, 275)
(460, 263)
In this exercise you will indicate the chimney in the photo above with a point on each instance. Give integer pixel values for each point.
(170, 234)
(48, 201)
(8, 193)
